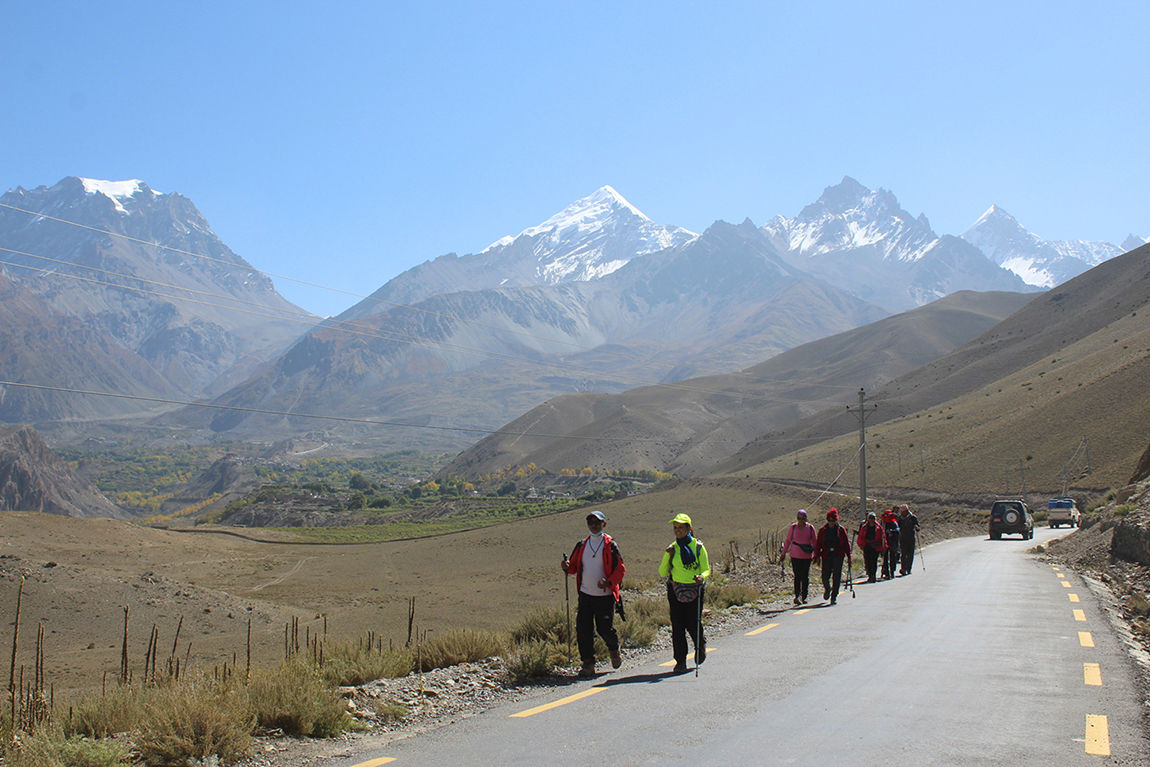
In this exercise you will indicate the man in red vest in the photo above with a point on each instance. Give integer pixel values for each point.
(598, 569)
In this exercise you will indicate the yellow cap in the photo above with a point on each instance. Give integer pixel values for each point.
(681, 519)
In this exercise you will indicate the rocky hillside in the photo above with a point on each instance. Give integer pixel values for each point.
(115, 287)
(33, 478)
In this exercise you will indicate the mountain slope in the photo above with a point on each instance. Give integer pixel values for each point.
(481, 358)
(687, 427)
(861, 241)
(1071, 364)
(115, 257)
(32, 478)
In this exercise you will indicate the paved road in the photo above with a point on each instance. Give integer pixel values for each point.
(984, 656)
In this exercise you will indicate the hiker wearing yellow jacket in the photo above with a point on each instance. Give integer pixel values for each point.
(686, 568)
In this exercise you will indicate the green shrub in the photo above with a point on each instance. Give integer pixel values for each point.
(1123, 510)
(294, 698)
(195, 721)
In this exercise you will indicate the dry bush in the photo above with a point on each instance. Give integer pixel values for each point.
(459, 646)
(352, 664)
(534, 658)
(720, 596)
(295, 698)
(49, 747)
(545, 624)
(99, 716)
(648, 609)
(195, 720)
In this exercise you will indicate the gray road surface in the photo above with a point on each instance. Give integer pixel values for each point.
(977, 659)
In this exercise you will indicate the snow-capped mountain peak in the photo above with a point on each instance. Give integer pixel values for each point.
(1044, 263)
(117, 191)
(588, 239)
(588, 214)
(849, 216)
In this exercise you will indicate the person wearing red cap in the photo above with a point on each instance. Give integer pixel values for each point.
(598, 569)
(800, 547)
(832, 546)
(890, 555)
(872, 541)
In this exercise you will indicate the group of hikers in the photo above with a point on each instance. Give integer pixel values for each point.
(892, 540)
(599, 569)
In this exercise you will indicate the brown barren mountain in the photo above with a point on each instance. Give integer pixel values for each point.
(688, 426)
(32, 478)
(1057, 392)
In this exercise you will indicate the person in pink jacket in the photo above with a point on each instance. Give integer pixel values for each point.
(800, 547)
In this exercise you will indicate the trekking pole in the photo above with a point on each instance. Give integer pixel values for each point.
(567, 588)
(851, 578)
(700, 652)
(921, 558)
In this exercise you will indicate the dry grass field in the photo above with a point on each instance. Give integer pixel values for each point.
(81, 573)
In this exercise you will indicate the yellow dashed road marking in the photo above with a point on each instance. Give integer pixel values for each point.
(1061, 575)
(1085, 639)
(1065, 583)
(558, 703)
(1097, 735)
(1092, 674)
(1079, 615)
(375, 762)
(669, 663)
(1073, 597)
(761, 629)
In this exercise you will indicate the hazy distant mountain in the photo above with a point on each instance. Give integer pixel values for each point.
(688, 427)
(1040, 262)
(722, 301)
(588, 239)
(1133, 241)
(33, 478)
(862, 242)
(135, 284)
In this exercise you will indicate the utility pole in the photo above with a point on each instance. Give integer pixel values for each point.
(861, 412)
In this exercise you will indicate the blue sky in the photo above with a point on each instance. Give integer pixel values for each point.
(343, 142)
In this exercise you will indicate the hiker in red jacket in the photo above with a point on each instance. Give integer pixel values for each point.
(832, 546)
(598, 569)
(872, 541)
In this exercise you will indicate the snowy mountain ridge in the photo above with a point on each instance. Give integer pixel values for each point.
(861, 241)
(592, 237)
(1040, 262)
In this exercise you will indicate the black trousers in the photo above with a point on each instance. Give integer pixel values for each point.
(684, 621)
(889, 561)
(595, 614)
(907, 557)
(870, 559)
(802, 571)
(832, 575)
